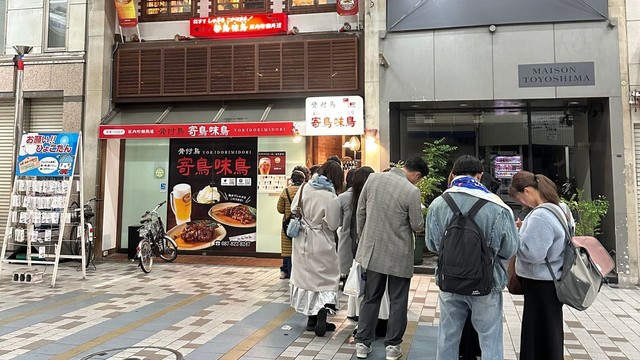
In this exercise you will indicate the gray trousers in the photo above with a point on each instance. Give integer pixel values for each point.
(370, 307)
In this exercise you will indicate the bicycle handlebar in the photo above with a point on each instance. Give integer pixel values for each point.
(154, 210)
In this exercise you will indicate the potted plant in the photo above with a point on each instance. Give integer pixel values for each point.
(588, 213)
(436, 154)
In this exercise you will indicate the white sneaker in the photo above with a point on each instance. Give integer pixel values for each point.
(394, 352)
(362, 351)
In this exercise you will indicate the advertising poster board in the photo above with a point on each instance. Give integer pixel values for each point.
(272, 176)
(47, 154)
(507, 166)
(212, 194)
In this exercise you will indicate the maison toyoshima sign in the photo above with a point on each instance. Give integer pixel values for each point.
(176, 131)
(556, 74)
(239, 25)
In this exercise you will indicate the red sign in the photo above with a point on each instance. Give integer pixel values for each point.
(240, 25)
(174, 131)
(347, 7)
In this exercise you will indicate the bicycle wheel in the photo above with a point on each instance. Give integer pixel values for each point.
(88, 247)
(146, 256)
(170, 249)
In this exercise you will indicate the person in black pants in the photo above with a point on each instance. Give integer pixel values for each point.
(542, 336)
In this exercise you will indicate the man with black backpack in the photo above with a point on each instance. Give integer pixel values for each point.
(472, 230)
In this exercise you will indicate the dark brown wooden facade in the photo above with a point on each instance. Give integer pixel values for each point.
(234, 69)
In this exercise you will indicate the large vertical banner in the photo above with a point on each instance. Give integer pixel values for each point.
(212, 194)
(127, 14)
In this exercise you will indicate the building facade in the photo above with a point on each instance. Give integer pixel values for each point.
(54, 75)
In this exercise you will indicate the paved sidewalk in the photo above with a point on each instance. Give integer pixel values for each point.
(230, 312)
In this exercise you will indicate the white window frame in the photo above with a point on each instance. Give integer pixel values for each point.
(45, 35)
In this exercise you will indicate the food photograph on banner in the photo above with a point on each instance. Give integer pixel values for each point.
(272, 176)
(212, 194)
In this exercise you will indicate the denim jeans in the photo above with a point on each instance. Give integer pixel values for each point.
(486, 316)
(286, 266)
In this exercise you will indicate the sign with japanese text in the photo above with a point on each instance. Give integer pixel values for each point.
(272, 176)
(47, 154)
(334, 115)
(347, 7)
(272, 162)
(174, 131)
(126, 10)
(212, 194)
(239, 25)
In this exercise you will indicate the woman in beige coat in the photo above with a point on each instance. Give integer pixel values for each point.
(299, 175)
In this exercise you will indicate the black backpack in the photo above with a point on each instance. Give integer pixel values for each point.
(465, 261)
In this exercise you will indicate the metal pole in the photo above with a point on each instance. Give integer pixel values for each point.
(529, 136)
(19, 105)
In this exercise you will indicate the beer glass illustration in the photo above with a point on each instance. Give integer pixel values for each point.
(264, 166)
(181, 203)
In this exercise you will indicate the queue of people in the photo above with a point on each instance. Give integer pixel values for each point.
(373, 222)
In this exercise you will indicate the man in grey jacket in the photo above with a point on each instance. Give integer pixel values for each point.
(495, 220)
(388, 214)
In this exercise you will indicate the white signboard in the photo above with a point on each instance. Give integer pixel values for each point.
(334, 115)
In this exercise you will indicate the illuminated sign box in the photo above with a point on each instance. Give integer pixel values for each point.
(239, 25)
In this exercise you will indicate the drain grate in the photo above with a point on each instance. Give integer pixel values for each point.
(136, 353)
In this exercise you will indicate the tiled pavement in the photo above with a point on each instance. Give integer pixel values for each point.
(232, 312)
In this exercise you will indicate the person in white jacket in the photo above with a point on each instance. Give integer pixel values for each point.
(315, 272)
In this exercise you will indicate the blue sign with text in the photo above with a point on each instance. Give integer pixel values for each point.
(47, 154)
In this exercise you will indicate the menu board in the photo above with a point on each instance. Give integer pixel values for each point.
(506, 166)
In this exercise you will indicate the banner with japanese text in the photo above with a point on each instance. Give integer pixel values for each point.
(334, 115)
(212, 194)
(47, 154)
(204, 131)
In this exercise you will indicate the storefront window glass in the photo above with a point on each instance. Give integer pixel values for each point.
(57, 24)
(167, 10)
(312, 6)
(142, 187)
(223, 6)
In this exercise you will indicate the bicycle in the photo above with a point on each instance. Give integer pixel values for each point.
(89, 255)
(154, 240)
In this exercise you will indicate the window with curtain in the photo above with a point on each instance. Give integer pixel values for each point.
(57, 24)
(309, 6)
(223, 7)
(166, 10)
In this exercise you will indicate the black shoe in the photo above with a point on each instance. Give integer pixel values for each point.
(311, 322)
(354, 318)
(321, 325)
(331, 327)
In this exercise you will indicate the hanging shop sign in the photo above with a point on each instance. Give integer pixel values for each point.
(212, 194)
(347, 7)
(239, 26)
(221, 130)
(126, 10)
(47, 154)
(334, 115)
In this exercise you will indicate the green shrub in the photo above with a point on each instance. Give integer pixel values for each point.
(589, 213)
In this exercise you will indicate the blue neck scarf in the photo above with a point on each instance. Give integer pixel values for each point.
(468, 182)
(321, 182)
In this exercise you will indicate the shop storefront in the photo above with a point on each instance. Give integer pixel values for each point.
(222, 179)
(543, 97)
